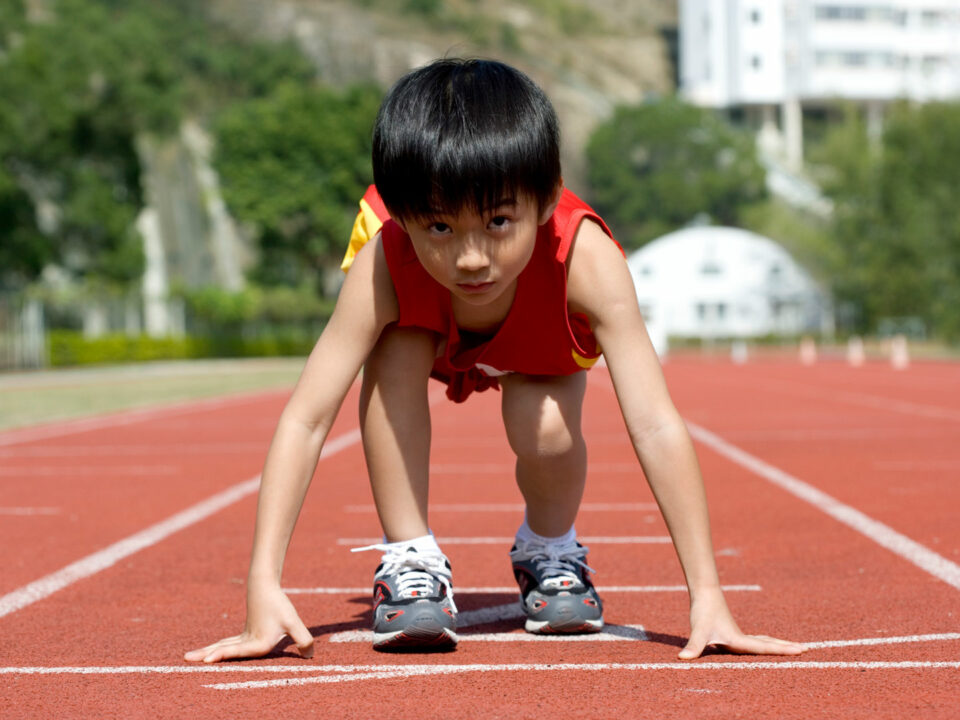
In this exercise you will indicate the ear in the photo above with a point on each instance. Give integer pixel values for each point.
(547, 212)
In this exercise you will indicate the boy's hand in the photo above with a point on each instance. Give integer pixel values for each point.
(270, 617)
(712, 624)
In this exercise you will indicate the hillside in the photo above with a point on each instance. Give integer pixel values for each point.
(588, 56)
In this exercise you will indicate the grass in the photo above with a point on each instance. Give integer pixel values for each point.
(29, 398)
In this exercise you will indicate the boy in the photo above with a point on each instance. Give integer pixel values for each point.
(486, 274)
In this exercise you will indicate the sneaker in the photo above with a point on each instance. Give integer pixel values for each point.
(555, 590)
(412, 600)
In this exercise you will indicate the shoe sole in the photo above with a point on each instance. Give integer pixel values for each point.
(570, 627)
(413, 637)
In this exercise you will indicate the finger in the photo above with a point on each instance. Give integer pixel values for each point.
(694, 648)
(201, 653)
(763, 645)
(301, 636)
(247, 649)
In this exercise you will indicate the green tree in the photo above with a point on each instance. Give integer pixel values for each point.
(76, 91)
(294, 164)
(897, 220)
(654, 167)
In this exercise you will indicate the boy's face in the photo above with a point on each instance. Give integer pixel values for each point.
(478, 257)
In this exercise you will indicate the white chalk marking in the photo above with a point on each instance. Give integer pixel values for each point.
(885, 640)
(883, 535)
(305, 667)
(507, 589)
(592, 540)
(134, 449)
(29, 511)
(610, 633)
(494, 613)
(916, 465)
(61, 471)
(102, 559)
(406, 671)
(513, 507)
(509, 469)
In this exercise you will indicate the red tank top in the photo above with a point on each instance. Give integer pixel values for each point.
(539, 336)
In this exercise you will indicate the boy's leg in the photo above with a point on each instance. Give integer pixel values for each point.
(395, 423)
(542, 418)
(413, 598)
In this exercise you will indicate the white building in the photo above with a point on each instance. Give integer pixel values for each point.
(723, 282)
(786, 54)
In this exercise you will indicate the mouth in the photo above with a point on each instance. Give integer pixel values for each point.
(475, 288)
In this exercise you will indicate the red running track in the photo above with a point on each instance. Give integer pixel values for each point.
(834, 502)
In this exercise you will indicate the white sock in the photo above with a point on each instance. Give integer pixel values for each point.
(526, 534)
(420, 544)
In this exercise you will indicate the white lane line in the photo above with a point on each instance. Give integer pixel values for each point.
(885, 536)
(884, 640)
(67, 471)
(509, 468)
(29, 511)
(512, 590)
(300, 667)
(610, 633)
(47, 451)
(509, 611)
(406, 671)
(128, 417)
(102, 559)
(494, 613)
(593, 540)
(513, 507)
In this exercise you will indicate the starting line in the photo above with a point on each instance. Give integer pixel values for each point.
(512, 590)
(345, 673)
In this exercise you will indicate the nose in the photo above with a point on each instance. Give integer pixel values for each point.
(472, 257)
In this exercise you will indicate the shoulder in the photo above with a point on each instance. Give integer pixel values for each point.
(368, 286)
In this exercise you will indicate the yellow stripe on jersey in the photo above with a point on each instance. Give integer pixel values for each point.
(365, 227)
(585, 363)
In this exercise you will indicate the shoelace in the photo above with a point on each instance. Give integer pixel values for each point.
(555, 562)
(417, 571)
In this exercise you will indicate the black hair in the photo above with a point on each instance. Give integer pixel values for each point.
(459, 134)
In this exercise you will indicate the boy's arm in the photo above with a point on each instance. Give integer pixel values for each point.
(599, 285)
(366, 304)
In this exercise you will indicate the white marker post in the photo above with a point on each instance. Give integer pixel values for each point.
(855, 353)
(899, 353)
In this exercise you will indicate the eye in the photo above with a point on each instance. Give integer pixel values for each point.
(440, 228)
(499, 222)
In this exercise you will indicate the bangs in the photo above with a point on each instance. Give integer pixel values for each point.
(464, 135)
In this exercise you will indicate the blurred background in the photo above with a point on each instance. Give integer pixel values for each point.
(178, 178)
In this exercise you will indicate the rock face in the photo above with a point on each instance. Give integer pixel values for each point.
(588, 56)
(190, 240)
(618, 56)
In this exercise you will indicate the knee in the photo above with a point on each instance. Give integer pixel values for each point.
(546, 434)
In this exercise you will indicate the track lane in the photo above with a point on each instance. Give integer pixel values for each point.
(820, 582)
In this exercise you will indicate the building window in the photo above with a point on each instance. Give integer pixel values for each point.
(710, 267)
(756, 62)
(755, 17)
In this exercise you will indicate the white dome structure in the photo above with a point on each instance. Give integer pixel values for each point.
(724, 282)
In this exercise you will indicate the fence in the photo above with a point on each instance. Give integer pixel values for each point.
(23, 338)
